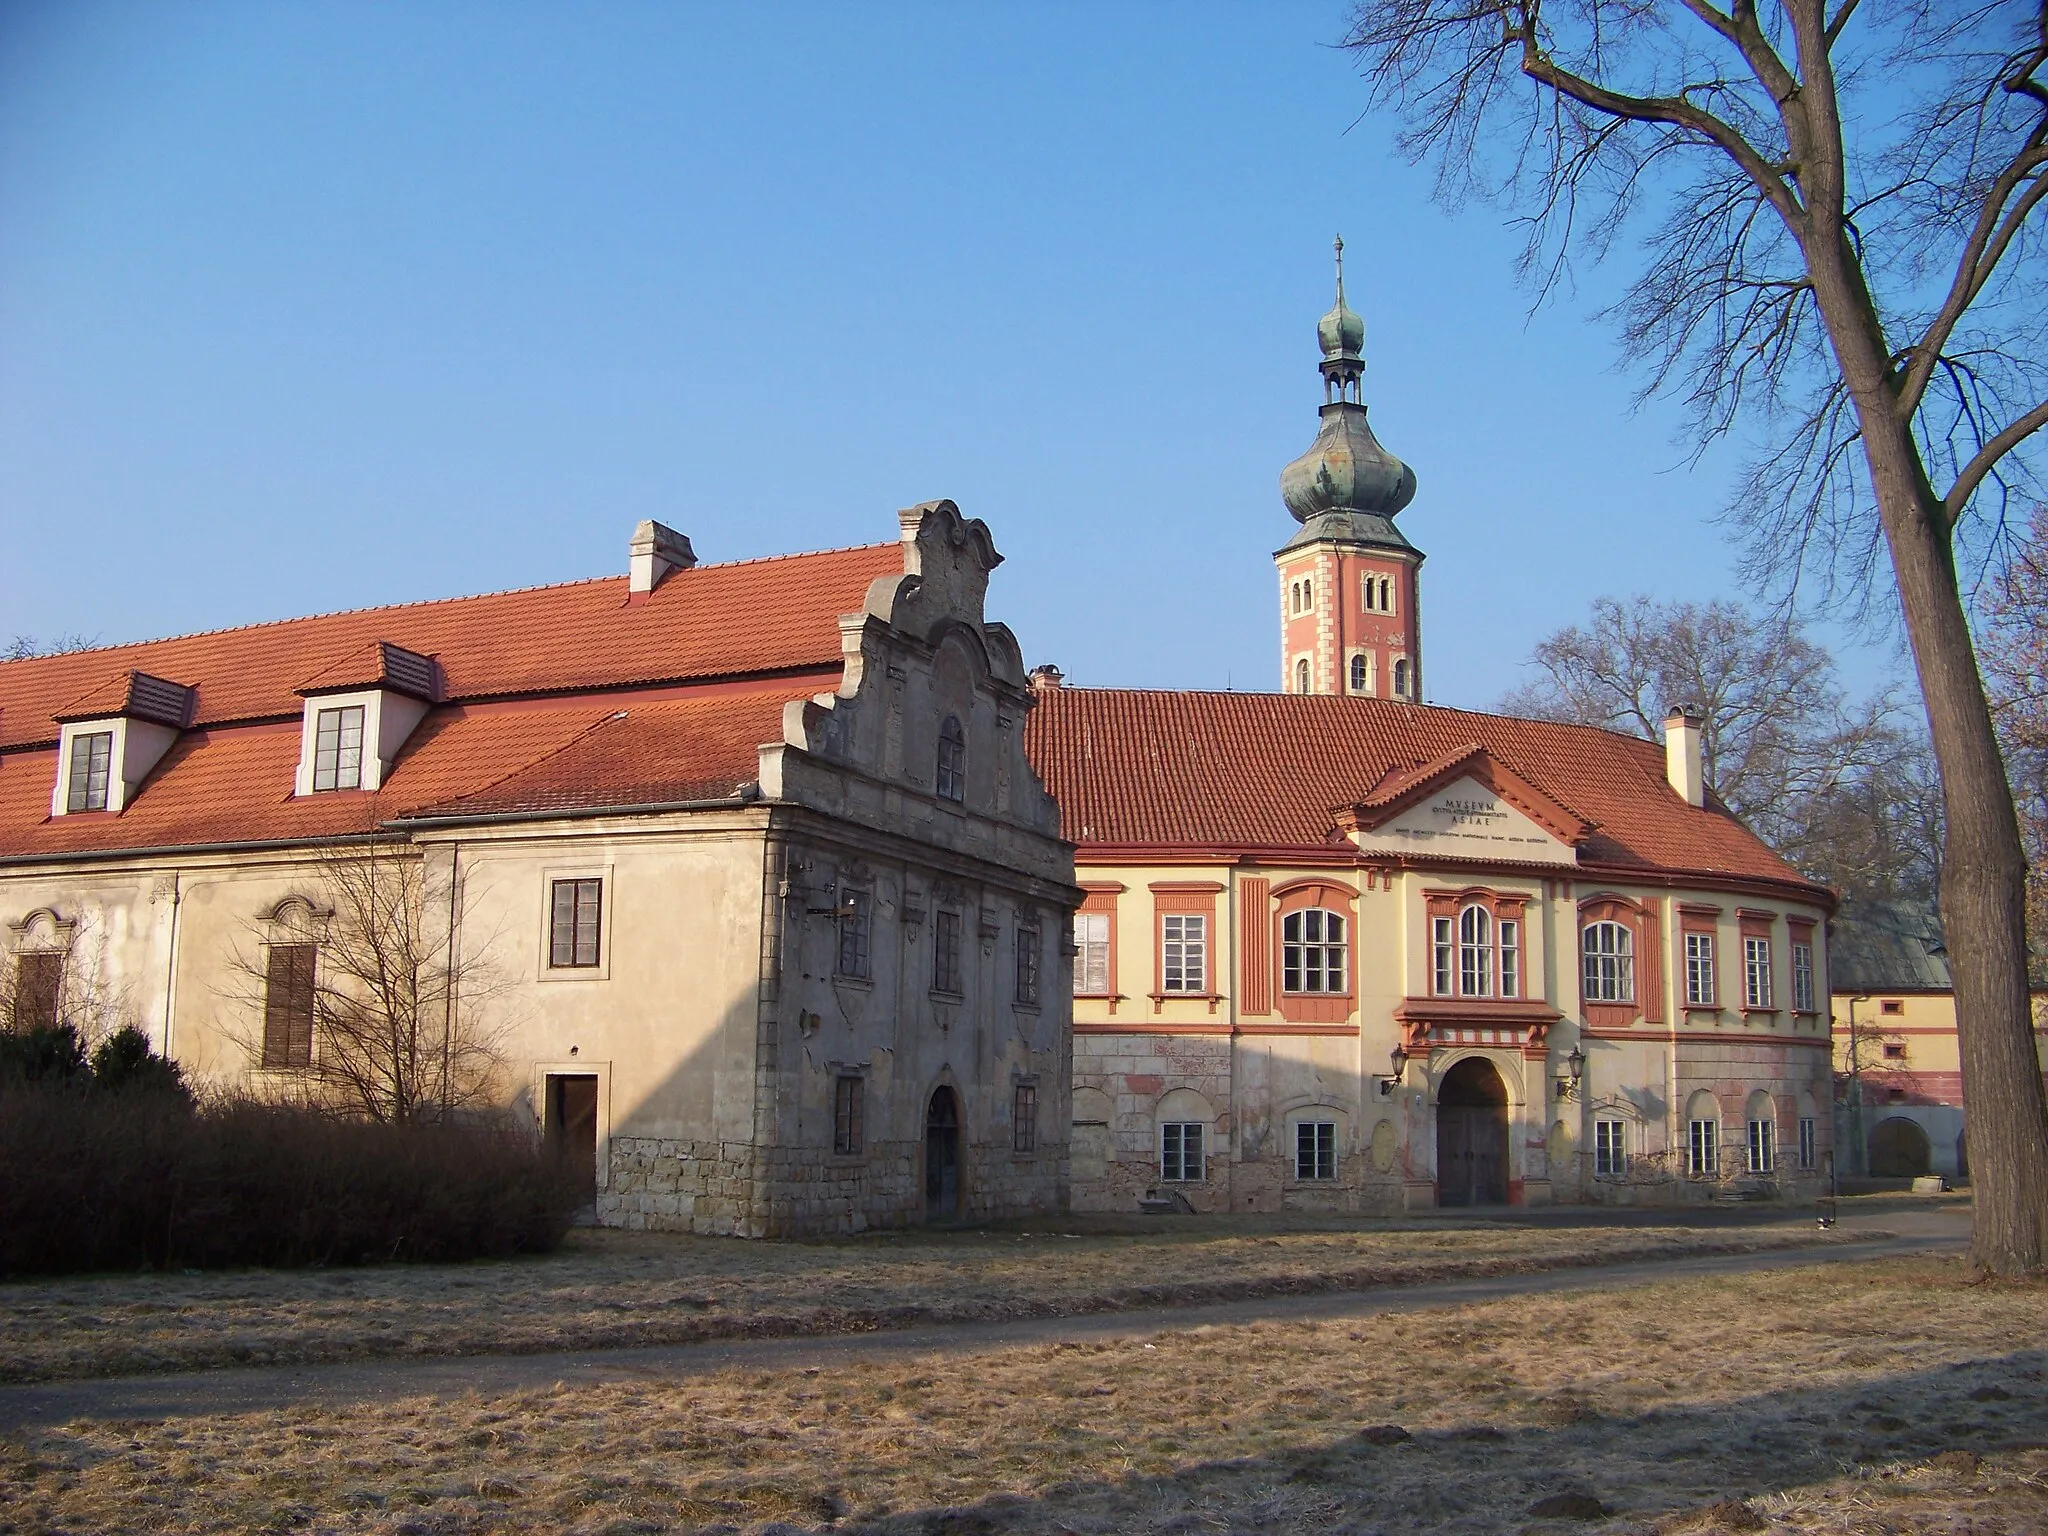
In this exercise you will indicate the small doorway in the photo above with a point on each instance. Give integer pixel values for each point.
(1472, 1135)
(571, 1128)
(942, 1156)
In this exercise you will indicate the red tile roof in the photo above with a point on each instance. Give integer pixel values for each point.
(1270, 771)
(732, 620)
(536, 718)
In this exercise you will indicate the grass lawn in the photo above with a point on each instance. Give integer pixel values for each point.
(619, 1288)
(1836, 1398)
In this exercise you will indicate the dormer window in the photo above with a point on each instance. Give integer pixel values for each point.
(109, 740)
(92, 762)
(952, 776)
(338, 749)
(359, 712)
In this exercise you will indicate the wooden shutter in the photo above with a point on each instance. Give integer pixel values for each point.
(288, 1006)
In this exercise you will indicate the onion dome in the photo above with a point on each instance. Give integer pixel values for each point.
(1346, 486)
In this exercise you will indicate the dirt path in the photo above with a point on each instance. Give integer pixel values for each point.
(251, 1389)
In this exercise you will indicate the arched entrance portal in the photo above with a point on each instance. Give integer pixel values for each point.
(1472, 1135)
(1899, 1150)
(942, 1155)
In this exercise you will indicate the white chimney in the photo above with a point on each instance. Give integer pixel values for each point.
(1682, 763)
(655, 551)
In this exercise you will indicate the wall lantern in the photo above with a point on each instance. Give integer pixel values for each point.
(1399, 1062)
(1575, 1067)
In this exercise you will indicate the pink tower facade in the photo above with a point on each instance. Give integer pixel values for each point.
(1350, 618)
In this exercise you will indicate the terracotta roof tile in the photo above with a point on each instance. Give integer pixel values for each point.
(1265, 770)
(523, 730)
(730, 620)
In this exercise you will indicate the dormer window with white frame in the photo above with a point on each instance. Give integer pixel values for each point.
(359, 713)
(109, 741)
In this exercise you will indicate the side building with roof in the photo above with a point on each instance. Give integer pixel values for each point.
(1896, 1052)
(1344, 950)
(736, 876)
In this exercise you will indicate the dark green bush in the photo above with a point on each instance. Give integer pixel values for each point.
(47, 1055)
(124, 1180)
(124, 1063)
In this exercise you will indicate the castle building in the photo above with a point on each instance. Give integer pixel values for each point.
(733, 879)
(1344, 950)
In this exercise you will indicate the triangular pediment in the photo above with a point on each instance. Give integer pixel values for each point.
(1467, 804)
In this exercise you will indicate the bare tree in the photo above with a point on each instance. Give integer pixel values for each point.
(2015, 654)
(73, 988)
(393, 1008)
(27, 647)
(1840, 210)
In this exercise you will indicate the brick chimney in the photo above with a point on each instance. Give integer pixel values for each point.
(655, 551)
(1683, 765)
(1046, 678)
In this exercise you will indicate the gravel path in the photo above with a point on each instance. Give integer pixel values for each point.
(1890, 1234)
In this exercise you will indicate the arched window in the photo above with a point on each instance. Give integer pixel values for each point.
(1608, 950)
(1301, 675)
(952, 776)
(1401, 678)
(1308, 594)
(1358, 673)
(1475, 952)
(1312, 954)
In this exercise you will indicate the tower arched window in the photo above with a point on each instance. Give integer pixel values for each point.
(1312, 951)
(1401, 678)
(952, 774)
(1475, 952)
(1358, 673)
(1608, 952)
(1301, 675)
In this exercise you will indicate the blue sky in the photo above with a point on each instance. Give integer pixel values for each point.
(320, 306)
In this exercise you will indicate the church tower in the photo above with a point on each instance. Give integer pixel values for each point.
(1348, 616)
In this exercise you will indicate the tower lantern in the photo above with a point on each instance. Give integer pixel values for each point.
(1348, 615)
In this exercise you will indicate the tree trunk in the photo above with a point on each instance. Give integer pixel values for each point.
(1983, 879)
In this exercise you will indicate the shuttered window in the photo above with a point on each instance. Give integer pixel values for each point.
(573, 926)
(1091, 954)
(288, 1006)
(38, 984)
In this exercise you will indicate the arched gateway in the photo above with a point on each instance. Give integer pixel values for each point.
(1472, 1135)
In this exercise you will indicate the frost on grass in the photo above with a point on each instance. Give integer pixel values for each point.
(1742, 1403)
(620, 1289)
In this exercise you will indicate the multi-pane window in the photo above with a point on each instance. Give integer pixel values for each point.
(1763, 1146)
(1315, 1149)
(1359, 676)
(856, 933)
(1184, 953)
(1802, 977)
(1475, 952)
(338, 748)
(1702, 1148)
(1301, 674)
(575, 909)
(1608, 950)
(952, 775)
(38, 986)
(1024, 1118)
(1180, 1152)
(1312, 951)
(946, 952)
(1444, 945)
(1610, 1148)
(1699, 970)
(1510, 957)
(288, 1006)
(847, 1130)
(1756, 973)
(1091, 954)
(1029, 949)
(1809, 1142)
(1401, 678)
(92, 761)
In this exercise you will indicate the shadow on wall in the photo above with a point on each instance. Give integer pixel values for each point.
(1479, 1477)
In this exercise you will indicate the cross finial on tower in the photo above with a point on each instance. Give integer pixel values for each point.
(1340, 271)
